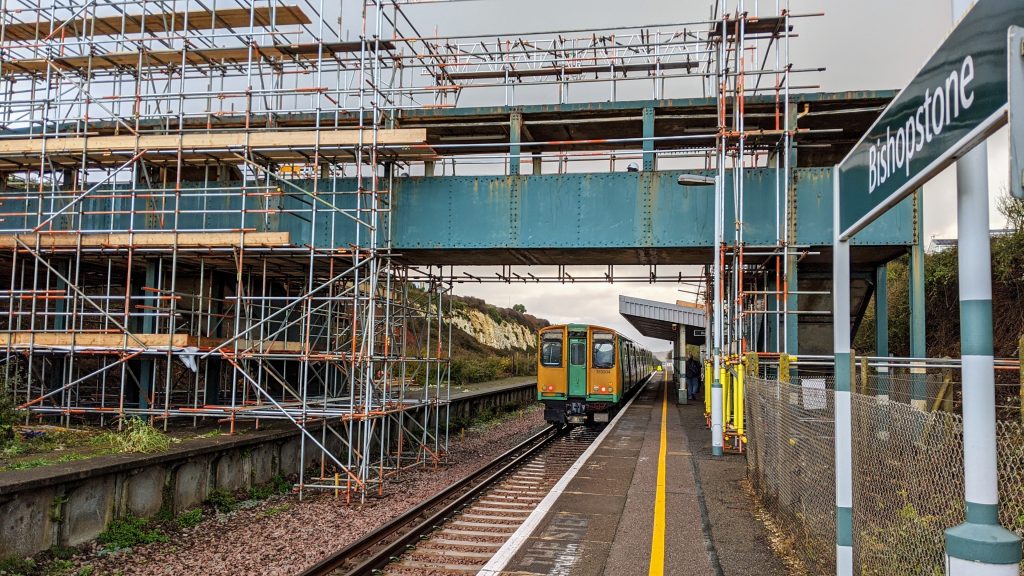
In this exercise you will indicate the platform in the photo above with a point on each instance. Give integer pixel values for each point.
(694, 510)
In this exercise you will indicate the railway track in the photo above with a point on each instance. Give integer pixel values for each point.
(458, 530)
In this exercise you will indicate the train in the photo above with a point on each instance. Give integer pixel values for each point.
(586, 372)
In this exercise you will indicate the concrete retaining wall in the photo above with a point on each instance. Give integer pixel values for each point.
(72, 503)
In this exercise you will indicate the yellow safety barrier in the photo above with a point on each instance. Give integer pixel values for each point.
(708, 381)
(726, 393)
(733, 375)
(784, 361)
(738, 412)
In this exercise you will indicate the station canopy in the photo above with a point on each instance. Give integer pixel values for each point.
(662, 320)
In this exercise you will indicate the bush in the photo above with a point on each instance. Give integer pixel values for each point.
(10, 378)
(129, 531)
(15, 566)
(470, 369)
(277, 485)
(222, 501)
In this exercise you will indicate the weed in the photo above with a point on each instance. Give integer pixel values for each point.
(62, 552)
(222, 501)
(277, 485)
(137, 435)
(37, 462)
(275, 510)
(15, 447)
(16, 566)
(59, 567)
(57, 509)
(86, 570)
(190, 518)
(164, 514)
(129, 531)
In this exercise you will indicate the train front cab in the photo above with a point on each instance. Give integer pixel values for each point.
(578, 377)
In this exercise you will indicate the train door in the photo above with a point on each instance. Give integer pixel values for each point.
(577, 364)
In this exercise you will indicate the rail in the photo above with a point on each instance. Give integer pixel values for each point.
(377, 548)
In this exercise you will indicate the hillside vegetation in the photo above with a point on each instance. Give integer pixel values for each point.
(942, 312)
(487, 342)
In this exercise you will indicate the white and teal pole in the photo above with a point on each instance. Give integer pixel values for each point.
(716, 383)
(979, 546)
(843, 420)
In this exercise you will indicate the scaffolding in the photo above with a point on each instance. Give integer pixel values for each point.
(195, 200)
(172, 234)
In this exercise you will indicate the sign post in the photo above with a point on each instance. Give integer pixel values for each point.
(968, 89)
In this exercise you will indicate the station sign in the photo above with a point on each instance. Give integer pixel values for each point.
(958, 99)
(1016, 111)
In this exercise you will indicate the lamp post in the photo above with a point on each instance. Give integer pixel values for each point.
(716, 385)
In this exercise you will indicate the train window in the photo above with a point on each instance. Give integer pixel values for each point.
(551, 349)
(604, 350)
(577, 352)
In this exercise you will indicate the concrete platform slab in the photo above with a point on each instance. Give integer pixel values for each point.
(604, 523)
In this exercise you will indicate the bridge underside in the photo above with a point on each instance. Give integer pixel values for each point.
(818, 257)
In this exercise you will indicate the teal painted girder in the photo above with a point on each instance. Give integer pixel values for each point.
(588, 210)
(612, 210)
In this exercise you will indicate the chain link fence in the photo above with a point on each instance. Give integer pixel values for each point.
(791, 460)
(907, 465)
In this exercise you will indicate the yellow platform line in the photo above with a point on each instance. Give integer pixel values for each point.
(657, 566)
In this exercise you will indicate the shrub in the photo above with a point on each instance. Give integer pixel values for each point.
(222, 501)
(10, 378)
(129, 531)
(16, 566)
(277, 485)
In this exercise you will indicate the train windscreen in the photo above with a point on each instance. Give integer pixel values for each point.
(551, 349)
(604, 350)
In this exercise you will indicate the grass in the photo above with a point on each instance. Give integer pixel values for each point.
(37, 462)
(136, 435)
(56, 445)
(130, 531)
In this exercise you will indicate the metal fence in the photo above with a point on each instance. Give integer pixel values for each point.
(907, 466)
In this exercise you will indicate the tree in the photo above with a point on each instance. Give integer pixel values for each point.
(519, 308)
(1012, 209)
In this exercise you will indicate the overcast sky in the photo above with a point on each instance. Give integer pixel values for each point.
(864, 45)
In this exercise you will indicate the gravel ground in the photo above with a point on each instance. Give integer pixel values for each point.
(282, 535)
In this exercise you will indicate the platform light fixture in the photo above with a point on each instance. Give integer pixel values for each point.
(695, 180)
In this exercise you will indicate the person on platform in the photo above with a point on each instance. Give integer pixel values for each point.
(692, 377)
